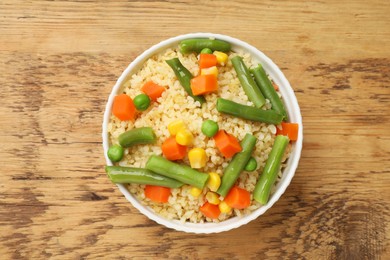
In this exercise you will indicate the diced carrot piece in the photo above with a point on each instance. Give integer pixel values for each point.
(289, 129)
(157, 193)
(207, 60)
(153, 90)
(279, 131)
(210, 210)
(204, 84)
(238, 198)
(172, 150)
(123, 107)
(276, 87)
(227, 144)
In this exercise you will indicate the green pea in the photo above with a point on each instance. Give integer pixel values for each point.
(209, 128)
(206, 50)
(251, 165)
(141, 102)
(115, 153)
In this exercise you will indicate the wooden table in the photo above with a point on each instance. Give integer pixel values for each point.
(59, 61)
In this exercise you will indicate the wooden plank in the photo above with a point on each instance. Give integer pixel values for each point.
(59, 61)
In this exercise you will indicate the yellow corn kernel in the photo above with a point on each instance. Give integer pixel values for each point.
(195, 191)
(210, 71)
(176, 126)
(224, 207)
(197, 157)
(222, 57)
(214, 181)
(184, 137)
(212, 198)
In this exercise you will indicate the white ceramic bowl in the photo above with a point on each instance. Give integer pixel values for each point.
(289, 100)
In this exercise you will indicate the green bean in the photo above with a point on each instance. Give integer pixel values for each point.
(248, 84)
(209, 128)
(237, 164)
(271, 169)
(115, 153)
(182, 173)
(142, 135)
(197, 45)
(248, 112)
(118, 174)
(184, 77)
(268, 90)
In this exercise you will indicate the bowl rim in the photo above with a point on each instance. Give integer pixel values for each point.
(287, 95)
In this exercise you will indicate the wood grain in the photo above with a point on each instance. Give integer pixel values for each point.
(59, 61)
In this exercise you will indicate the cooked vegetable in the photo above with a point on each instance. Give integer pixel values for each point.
(197, 157)
(214, 181)
(237, 164)
(115, 153)
(238, 198)
(276, 87)
(210, 71)
(224, 207)
(247, 82)
(184, 137)
(247, 112)
(222, 57)
(212, 198)
(176, 171)
(210, 210)
(176, 126)
(206, 50)
(268, 90)
(204, 84)
(195, 191)
(153, 90)
(184, 76)
(209, 128)
(119, 174)
(142, 102)
(207, 60)
(227, 144)
(289, 129)
(157, 193)
(172, 150)
(123, 107)
(271, 169)
(197, 45)
(251, 165)
(142, 135)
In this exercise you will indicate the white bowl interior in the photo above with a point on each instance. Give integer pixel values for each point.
(289, 100)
